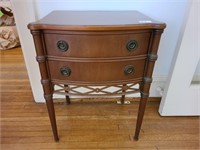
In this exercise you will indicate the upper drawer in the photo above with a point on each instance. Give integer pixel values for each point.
(97, 45)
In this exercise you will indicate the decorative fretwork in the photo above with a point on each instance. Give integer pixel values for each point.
(94, 91)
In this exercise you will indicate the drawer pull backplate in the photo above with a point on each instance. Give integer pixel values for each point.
(62, 45)
(128, 69)
(65, 71)
(131, 45)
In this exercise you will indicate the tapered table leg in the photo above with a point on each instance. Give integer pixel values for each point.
(122, 99)
(141, 111)
(67, 97)
(123, 96)
(51, 111)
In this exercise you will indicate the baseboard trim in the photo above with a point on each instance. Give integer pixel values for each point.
(131, 99)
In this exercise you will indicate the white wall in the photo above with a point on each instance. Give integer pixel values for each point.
(181, 98)
(172, 12)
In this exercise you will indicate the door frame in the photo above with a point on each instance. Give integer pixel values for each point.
(181, 97)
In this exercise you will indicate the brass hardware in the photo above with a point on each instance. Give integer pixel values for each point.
(65, 71)
(128, 70)
(131, 45)
(62, 45)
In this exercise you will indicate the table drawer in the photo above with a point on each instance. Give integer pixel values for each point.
(96, 71)
(92, 45)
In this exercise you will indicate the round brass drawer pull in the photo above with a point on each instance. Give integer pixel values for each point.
(65, 71)
(131, 45)
(128, 69)
(62, 45)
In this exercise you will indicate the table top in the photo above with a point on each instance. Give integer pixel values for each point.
(96, 20)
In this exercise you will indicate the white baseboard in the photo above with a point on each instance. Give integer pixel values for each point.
(196, 78)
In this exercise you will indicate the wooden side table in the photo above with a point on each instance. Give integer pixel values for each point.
(96, 51)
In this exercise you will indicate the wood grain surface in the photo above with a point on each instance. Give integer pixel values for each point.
(91, 20)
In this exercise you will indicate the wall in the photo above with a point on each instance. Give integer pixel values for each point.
(181, 96)
(172, 12)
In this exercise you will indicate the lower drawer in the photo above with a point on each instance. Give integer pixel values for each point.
(96, 71)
